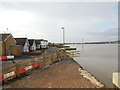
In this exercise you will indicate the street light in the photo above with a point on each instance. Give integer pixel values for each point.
(63, 34)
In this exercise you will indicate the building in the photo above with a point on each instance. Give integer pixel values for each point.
(44, 44)
(7, 45)
(24, 42)
(38, 43)
(16, 50)
(32, 44)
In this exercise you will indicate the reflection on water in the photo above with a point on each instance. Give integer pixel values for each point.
(99, 59)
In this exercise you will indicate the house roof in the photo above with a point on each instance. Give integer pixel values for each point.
(37, 41)
(31, 41)
(46, 40)
(3, 36)
(20, 41)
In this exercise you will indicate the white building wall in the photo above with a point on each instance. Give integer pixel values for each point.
(33, 47)
(26, 46)
(38, 46)
(43, 44)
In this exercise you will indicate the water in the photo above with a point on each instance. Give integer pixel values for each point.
(101, 60)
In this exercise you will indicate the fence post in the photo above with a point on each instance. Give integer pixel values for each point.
(33, 62)
(58, 56)
(44, 60)
(65, 56)
(17, 66)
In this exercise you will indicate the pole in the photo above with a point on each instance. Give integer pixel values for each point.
(82, 40)
(63, 35)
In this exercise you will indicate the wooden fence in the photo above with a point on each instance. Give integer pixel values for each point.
(25, 66)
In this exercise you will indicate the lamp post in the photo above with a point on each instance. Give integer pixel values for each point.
(63, 34)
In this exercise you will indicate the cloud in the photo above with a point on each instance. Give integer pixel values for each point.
(89, 20)
(106, 35)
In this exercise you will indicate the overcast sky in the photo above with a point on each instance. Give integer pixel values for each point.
(89, 20)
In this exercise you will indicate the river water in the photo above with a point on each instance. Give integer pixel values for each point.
(101, 60)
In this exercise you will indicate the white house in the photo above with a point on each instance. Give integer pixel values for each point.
(38, 43)
(24, 42)
(32, 44)
(44, 44)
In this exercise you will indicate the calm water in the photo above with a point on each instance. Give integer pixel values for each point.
(99, 59)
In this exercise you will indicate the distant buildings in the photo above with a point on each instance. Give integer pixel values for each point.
(32, 44)
(24, 42)
(38, 43)
(16, 46)
(8, 45)
(44, 44)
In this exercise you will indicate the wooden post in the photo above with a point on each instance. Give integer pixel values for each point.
(58, 56)
(32, 62)
(44, 60)
(51, 57)
(17, 66)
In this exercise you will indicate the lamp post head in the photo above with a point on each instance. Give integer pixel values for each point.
(62, 27)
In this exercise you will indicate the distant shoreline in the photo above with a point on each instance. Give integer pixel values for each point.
(92, 43)
(107, 42)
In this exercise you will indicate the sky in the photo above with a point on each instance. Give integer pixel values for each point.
(92, 21)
